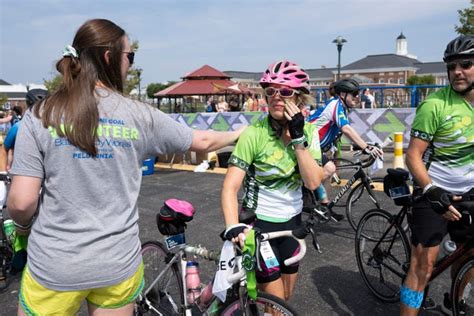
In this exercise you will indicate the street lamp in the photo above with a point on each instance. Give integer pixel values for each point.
(339, 41)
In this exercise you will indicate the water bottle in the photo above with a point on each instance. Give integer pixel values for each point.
(9, 229)
(193, 281)
(449, 247)
(205, 297)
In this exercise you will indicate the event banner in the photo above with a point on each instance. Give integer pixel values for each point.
(374, 125)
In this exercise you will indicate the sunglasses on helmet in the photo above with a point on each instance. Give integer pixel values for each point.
(130, 57)
(283, 92)
(465, 64)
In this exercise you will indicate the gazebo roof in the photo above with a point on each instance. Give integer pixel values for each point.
(206, 72)
(203, 81)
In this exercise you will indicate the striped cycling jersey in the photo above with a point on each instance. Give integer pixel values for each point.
(329, 121)
(446, 120)
(272, 184)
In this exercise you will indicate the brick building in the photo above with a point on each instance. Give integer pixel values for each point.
(391, 69)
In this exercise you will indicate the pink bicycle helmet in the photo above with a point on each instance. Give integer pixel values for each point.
(287, 73)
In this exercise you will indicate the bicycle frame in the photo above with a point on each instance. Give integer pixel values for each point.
(359, 174)
(180, 256)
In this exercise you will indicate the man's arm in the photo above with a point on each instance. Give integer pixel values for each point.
(206, 141)
(414, 161)
(352, 134)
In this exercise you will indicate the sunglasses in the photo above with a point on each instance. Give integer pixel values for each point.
(355, 94)
(465, 64)
(283, 92)
(130, 57)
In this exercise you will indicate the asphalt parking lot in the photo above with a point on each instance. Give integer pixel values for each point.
(328, 284)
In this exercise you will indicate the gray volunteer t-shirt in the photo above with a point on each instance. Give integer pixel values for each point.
(86, 232)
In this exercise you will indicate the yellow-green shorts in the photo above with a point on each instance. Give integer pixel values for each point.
(35, 299)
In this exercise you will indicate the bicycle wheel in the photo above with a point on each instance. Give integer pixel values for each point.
(461, 296)
(167, 294)
(360, 200)
(265, 303)
(382, 263)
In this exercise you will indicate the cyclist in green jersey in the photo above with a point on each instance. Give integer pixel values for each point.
(440, 157)
(274, 158)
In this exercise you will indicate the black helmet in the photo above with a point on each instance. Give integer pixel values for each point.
(35, 95)
(346, 85)
(461, 46)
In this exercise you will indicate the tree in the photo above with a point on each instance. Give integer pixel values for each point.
(421, 80)
(53, 84)
(153, 88)
(466, 20)
(3, 99)
(156, 87)
(133, 78)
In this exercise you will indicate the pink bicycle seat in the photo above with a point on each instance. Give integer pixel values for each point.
(182, 207)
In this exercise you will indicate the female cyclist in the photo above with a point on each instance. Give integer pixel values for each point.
(85, 144)
(274, 158)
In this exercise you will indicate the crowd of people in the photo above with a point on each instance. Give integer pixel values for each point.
(62, 157)
(236, 103)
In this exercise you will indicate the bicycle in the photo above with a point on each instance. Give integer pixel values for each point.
(6, 247)
(363, 188)
(165, 287)
(383, 250)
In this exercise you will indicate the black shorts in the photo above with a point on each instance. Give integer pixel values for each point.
(428, 228)
(283, 248)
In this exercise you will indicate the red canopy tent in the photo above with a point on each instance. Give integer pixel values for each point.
(205, 81)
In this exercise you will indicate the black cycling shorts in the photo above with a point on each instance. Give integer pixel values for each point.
(283, 248)
(428, 228)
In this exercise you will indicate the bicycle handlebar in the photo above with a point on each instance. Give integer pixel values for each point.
(370, 160)
(203, 252)
(298, 234)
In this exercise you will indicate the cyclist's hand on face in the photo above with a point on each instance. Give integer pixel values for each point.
(236, 233)
(453, 214)
(374, 151)
(440, 201)
(295, 120)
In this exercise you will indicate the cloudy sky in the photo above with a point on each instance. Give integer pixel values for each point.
(179, 36)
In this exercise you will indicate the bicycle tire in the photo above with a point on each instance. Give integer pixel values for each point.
(263, 300)
(466, 268)
(167, 295)
(359, 200)
(382, 263)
